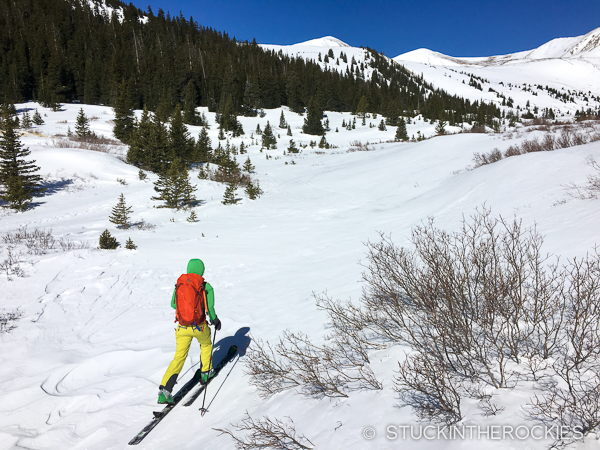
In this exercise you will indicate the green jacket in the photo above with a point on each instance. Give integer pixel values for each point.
(197, 266)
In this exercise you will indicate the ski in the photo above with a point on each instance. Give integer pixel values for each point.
(230, 355)
(187, 387)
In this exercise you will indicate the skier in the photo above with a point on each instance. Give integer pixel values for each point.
(192, 324)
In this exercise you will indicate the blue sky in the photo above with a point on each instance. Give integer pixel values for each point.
(453, 27)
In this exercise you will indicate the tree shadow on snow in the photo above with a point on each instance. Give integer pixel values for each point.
(240, 339)
(52, 187)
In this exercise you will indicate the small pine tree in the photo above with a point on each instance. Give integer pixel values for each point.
(252, 190)
(26, 120)
(107, 241)
(82, 127)
(289, 130)
(268, 138)
(142, 175)
(174, 187)
(382, 126)
(221, 135)
(292, 148)
(229, 195)
(282, 122)
(129, 245)
(204, 172)
(37, 118)
(401, 133)
(440, 128)
(18, 176)
(243, 148)
(121, 213)
(193, 217)
(248, 167)
(323, 143)
(312, 122)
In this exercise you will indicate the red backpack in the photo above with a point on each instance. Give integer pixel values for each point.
(190, 300)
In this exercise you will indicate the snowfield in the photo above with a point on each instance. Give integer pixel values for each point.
(81, 370)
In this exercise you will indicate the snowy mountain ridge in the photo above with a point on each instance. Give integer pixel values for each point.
(586, 46)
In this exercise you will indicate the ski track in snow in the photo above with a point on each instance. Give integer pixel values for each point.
(81, 370)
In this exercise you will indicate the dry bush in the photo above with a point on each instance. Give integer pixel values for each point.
(295, 362)
(513, 150)
(481, 159)
(267, 433)
(8, 319)
(592, 189)
(10, 265)
(476, 129)
(475, 299)
(358, 146)
(143, 225)
(94, 143)
(430, 388)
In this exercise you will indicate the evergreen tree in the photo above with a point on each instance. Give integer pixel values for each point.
(149, 146)
(124, 117)
(440, 128)
(121, 213)
(229, 195)
(289, 130)
(323, 142)
(129, 245)
(190, 116)
(142, 175)
(382, 126)
(253, 191)
(82, 126)
(362, 108)
(193, 217)
(248, 167)
(181, 145)
(203, 147)
(401, 133)
(26, 120)
(282, 123)
(18, 176)
(37, 118)
(107, 241)
(268, 138)
(312, 122)
(174, 187)
(292, 148)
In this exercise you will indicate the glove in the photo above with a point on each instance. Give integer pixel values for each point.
(216, 323)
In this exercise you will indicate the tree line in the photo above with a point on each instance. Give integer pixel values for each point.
(66, 50)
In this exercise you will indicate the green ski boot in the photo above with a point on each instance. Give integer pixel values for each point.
(164, 396)
(205, 376)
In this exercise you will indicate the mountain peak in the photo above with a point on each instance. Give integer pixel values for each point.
(326, 41)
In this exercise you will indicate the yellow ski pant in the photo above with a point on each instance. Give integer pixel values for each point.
(183, 338)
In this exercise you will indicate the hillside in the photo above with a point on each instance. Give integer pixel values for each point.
(81, 368)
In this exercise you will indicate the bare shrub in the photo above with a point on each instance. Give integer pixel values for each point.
(548, 143)
(592, 189)
(358, 146)
(531, 146)
(66, 244)
(10, 265)
(513, 150)
(476, 129)
(8, 319)
(267, 433)
(93, 142)
(430, 387)
(482, 159)
(143, 225)
(565, 140)
(328, 370)
(38, 242)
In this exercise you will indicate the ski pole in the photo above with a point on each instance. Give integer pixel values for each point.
(203, 409)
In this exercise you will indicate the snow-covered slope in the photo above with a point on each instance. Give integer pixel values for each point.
(562, 74)
(82, 367)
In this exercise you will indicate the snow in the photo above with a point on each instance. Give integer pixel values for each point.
(82, 368)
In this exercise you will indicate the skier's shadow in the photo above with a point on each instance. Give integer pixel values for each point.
(240, 339)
